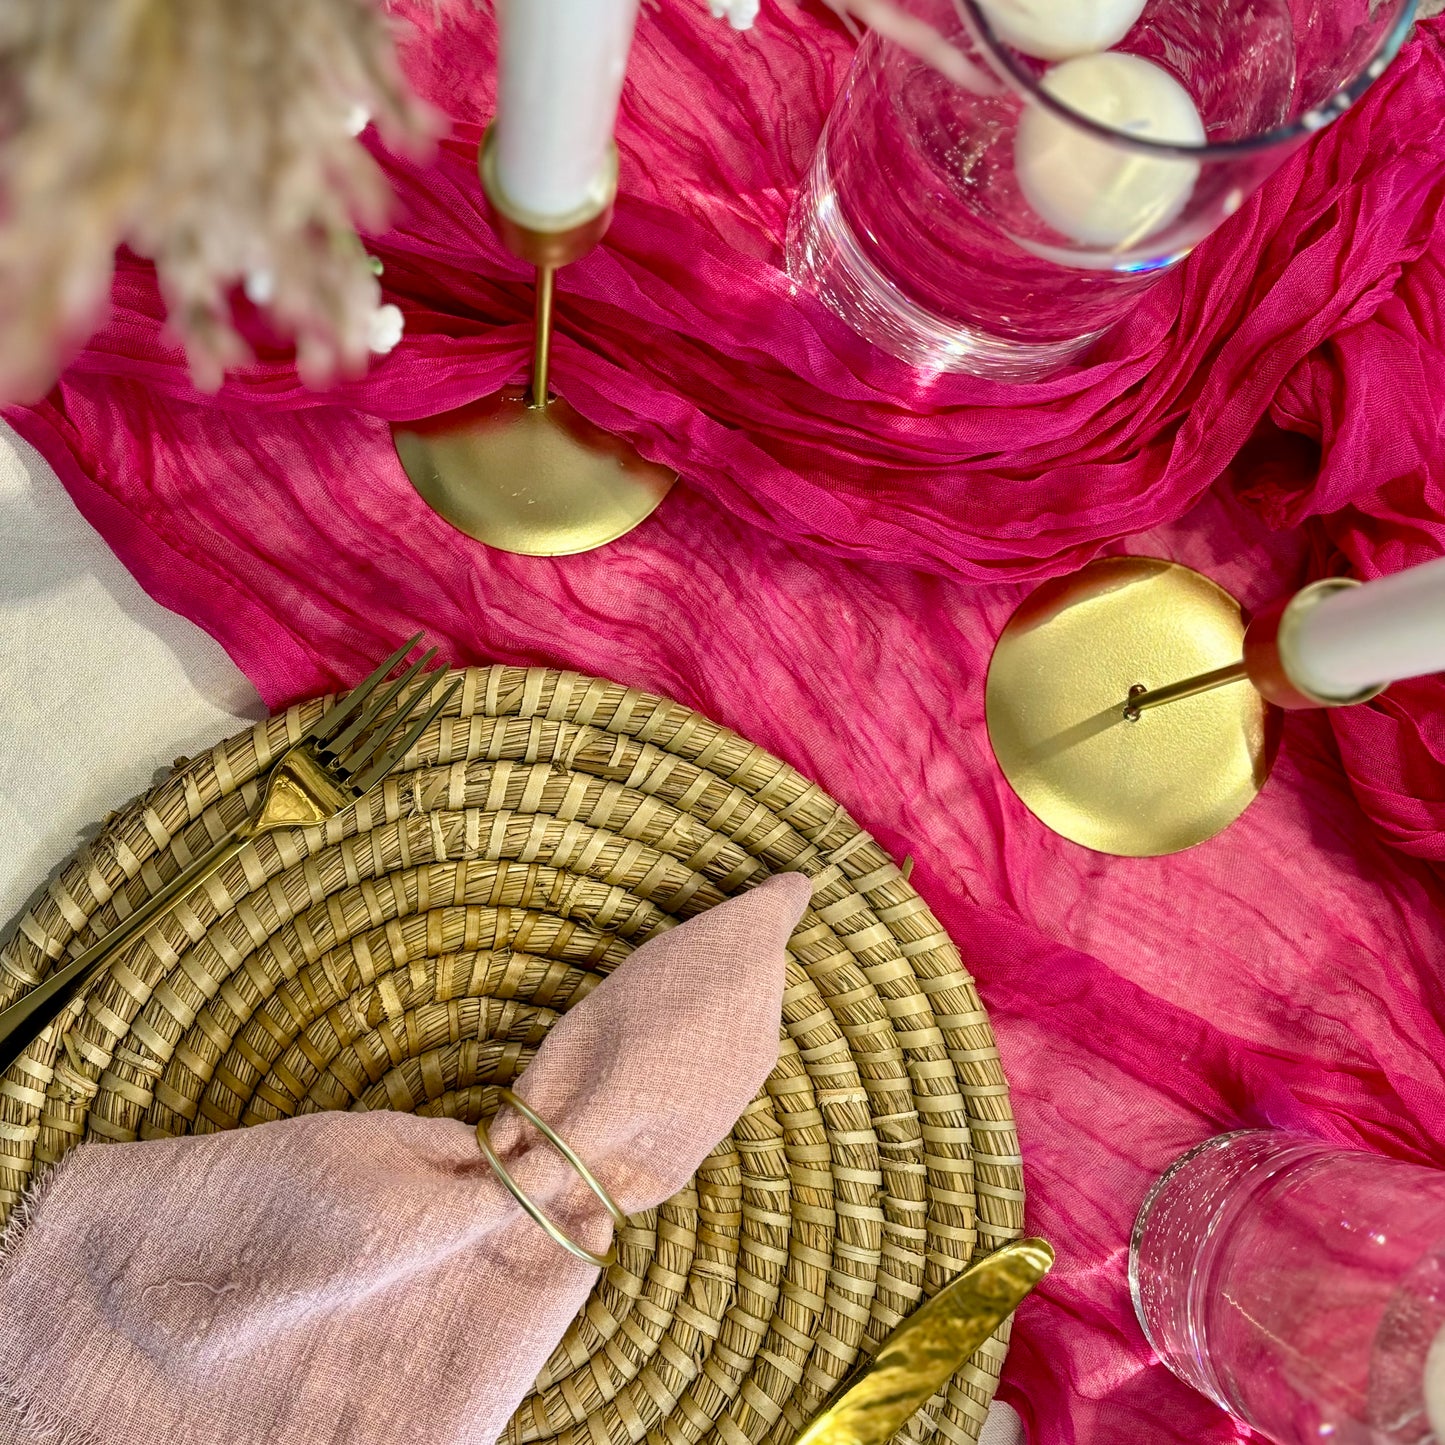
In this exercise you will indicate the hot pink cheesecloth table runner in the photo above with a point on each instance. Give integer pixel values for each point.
(850, 539)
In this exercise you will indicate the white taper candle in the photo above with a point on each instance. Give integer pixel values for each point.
(561, 65)
(1388, 629)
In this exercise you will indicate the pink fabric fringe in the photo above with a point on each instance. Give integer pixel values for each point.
(850, 539)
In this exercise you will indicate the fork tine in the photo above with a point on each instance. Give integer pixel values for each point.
(375, 742)
(342, 741)
(334, 716)
(383, 766)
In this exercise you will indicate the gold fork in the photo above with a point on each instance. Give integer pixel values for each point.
(338, 759)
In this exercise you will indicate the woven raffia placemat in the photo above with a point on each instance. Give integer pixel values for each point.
(416, 950)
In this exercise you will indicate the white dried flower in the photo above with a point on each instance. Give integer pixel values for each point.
(260, 287)
(740, 14)
(387, 327)
(213, 137)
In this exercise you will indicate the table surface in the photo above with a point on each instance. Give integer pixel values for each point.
(101, 689)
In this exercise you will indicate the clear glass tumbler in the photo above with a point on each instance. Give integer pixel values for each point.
(998, 219)
(1301, 1287)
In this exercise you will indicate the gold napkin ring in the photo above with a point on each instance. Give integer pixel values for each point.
(484, 1139)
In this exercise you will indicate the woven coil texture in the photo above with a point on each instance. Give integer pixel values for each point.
(412, 954)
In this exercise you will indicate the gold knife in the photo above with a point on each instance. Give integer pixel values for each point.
(876, 1402)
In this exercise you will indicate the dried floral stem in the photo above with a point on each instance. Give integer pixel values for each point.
(918, 36)
(208, 135)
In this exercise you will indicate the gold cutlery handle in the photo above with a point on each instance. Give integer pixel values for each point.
(27, 1018)
(916, 1360)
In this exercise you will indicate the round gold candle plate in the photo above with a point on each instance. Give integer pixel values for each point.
(1061, 672)
(412, 954)
(536, 481)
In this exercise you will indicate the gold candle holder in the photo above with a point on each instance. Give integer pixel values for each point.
(1114, 707)
(522, 471)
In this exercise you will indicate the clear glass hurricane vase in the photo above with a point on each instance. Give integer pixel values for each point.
(998, 219)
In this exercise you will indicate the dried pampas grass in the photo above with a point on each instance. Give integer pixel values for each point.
(217, 138)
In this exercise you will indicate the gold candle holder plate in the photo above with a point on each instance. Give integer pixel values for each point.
(535, 481)
(521, 470)
(1066, 665)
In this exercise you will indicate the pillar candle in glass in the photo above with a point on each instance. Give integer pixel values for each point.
(999, 221)
(1301, 1287)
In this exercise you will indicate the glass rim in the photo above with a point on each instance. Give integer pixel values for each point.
(1008, 65)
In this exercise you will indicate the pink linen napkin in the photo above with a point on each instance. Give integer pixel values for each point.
(356, 1278)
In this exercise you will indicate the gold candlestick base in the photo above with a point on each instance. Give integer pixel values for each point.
(521, 471)
(1061, 673)
(535, 481)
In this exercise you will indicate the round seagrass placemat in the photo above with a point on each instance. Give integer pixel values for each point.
(414, 952)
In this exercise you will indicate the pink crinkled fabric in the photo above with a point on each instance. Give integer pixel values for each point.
(849, 540)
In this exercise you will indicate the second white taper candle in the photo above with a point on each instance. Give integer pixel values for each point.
(1387, 630)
